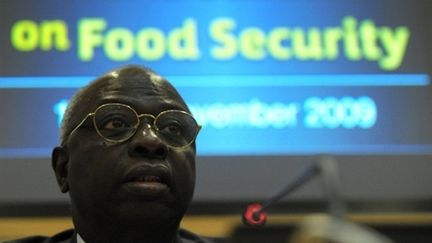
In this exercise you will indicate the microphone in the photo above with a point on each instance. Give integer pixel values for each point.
(332, 228)
(255, 214)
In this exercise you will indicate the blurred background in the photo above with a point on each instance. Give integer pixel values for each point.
(273, 83)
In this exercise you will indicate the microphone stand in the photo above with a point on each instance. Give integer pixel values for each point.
(326, 166)
(334, 228)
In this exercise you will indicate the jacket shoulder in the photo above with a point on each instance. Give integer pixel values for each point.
(62, 237)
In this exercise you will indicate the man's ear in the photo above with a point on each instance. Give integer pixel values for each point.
(59, 163)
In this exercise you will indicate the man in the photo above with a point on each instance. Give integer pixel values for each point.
(127, 160)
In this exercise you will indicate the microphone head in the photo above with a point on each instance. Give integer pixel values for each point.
(253, 216)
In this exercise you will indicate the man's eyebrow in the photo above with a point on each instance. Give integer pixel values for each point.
(174, 106)
(168, 105)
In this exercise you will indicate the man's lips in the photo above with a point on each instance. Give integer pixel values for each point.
(148, 172)
(148, 180)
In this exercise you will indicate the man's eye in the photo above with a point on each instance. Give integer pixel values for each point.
(173, 129)
(115, 123)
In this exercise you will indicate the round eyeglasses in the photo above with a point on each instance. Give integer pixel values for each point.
(116, 122)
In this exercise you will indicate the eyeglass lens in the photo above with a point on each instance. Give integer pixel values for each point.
(117, 122)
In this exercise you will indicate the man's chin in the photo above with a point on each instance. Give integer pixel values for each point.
(150, 212)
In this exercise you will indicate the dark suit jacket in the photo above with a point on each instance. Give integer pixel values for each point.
(69, 236)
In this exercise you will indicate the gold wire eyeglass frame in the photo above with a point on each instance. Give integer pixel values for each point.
(135, 127)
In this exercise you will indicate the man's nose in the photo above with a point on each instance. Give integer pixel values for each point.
(146, 143)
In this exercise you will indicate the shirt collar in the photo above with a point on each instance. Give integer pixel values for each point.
(79, 239)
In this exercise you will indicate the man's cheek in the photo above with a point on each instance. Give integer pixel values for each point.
(84, 161)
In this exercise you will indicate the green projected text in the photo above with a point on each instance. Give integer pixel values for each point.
(224, 39)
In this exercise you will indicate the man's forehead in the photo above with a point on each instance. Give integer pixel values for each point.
(145, 80)
(134, 90)
(145, 103)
